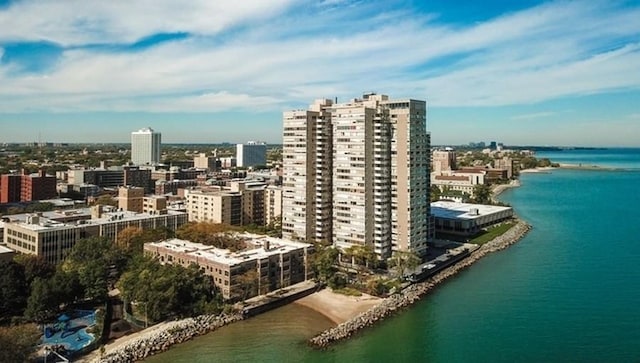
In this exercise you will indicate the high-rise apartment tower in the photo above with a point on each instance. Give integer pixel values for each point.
(357, 173)
(145, 146)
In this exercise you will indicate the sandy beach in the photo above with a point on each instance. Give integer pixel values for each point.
(337, 307)
(546, 169)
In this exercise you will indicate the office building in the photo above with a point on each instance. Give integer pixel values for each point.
(53, 234)
(251, 154)
(357, 173)
(145, 146)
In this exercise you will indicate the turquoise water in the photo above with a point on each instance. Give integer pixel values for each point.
(624, 158)
(569, 291)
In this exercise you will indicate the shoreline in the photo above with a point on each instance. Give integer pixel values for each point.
(414, 293)
(499, 188)
(158, 338)
(337, 307)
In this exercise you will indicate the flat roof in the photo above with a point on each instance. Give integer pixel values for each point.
(223, 256)
(4, 249)
(48, 220)
(456, 210)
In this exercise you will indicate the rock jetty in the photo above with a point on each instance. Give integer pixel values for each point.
(159, 340)
(414, 292)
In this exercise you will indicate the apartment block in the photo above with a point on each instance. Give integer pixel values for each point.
(278, 263)
(273, 205)
(357, 173)
(145, 146)
(130, 199)
(27, 187)
(443, 160)
(215, 206)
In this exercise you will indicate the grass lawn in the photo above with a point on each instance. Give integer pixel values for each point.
(492, 233)
(349, 291)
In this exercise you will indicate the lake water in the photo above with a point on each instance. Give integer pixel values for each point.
(569, 291)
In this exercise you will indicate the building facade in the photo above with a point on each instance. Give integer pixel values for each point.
(357, 173)
(251, 154)
(145, 146)
(277, 263)
(27, 187)
(53, 237)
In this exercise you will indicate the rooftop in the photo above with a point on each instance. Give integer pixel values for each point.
(455, 210)
(4, 249)
(258, 243)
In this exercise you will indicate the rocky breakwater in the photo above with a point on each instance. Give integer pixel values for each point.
(159, 339)
(414, 292)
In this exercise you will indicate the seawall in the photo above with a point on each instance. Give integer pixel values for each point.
(160, 339)
(415, 292)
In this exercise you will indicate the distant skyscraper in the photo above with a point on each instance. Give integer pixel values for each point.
(145, 146)
(251, 154)
(357, 173)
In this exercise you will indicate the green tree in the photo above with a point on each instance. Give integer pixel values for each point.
(248, 282)
(168, 290)
(42, 304)
(94, 260)
(403, 261)
(434, 193)
(482, 194)
(35, 266)
(13, 289)
(18, 342)
(323, 262)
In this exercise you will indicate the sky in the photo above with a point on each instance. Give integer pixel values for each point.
(518, 72)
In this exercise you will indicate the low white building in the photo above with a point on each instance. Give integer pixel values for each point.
(467, 219)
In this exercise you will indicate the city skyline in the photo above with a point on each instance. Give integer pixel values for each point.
(531, 72)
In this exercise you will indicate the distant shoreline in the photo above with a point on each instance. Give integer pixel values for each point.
(588, 167)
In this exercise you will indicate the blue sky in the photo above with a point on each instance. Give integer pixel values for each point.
(519, 72)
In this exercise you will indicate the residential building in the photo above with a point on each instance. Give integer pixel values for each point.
(145, 146)
(202, 161)
(273, 205)
(251, 154)
(215, 206)
(356, 173)
(10, 188)
(443, 160)
(27, 187)
(277, 263)
(131, 199)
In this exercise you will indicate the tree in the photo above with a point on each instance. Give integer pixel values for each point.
(482, 194)
(168, 290)
(129, 237)
(35, 266)
(42, 304)
(403, 261)
(434, 193)
(94, 260)
(13, 289)
(18, 342)
(323, 262)
(248, 282)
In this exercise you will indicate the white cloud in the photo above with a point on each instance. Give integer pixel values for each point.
(77, 22)
(531, 116)
(288, 59)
